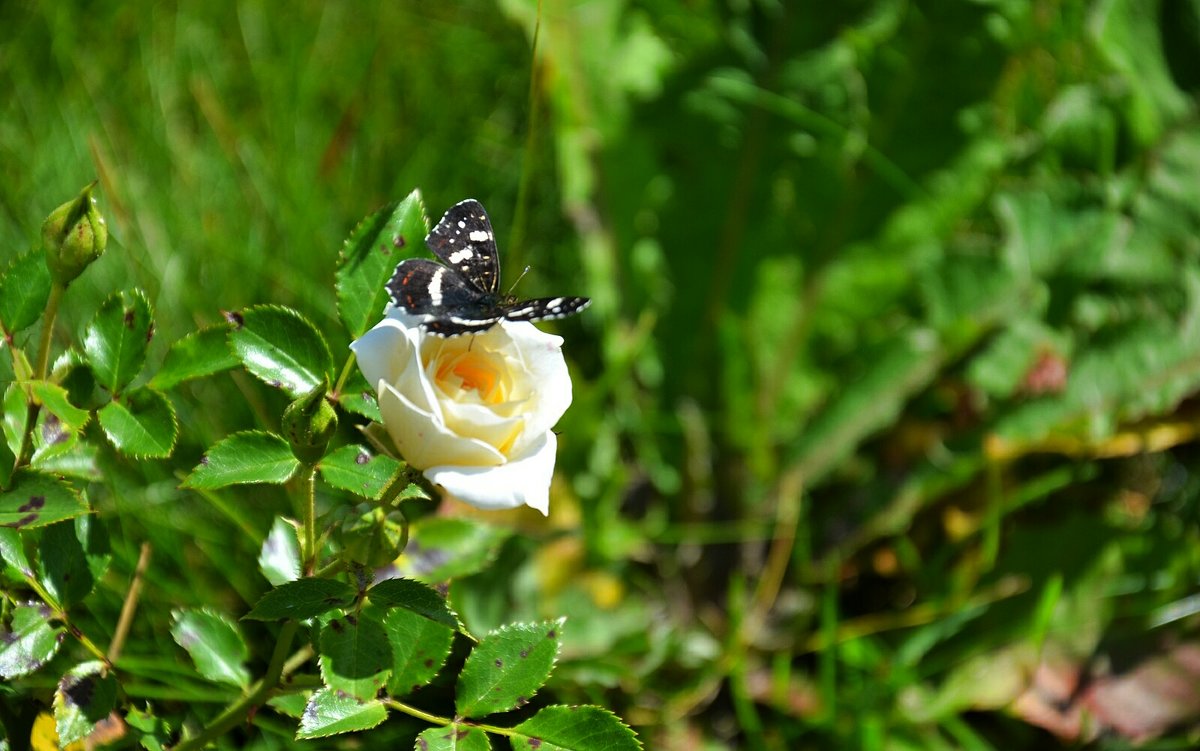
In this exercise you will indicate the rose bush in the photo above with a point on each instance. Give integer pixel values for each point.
(474, 413)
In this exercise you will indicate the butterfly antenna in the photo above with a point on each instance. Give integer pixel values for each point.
(519, 278)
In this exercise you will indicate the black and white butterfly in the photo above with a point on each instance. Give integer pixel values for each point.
(463, 297)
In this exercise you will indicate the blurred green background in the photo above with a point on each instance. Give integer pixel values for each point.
(884, 423)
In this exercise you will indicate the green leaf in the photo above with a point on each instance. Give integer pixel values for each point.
(369, 258)
(300, 599)
(153, 733)
(63, 564)
(415, 597)
(420, 647)
(281, 347)
(215, 644)
(8, 459)
(201, 353)
(355, 656)
(507, 668)
(54, 400)
(115, 341)
(291, 705)
(35, 500)
(85, 696)
(453, 737)
(24, 291)
(358, 396)
(331, 712)
(12, 550)
(140, 423)
(30, 642)
(357, 470)
(586, 728)
(279, 559)
(440, 548)
(250, 457)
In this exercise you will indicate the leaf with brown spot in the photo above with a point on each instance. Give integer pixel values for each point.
(496, 679)
(35, 500)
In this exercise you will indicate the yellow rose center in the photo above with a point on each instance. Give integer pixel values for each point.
(471, 371)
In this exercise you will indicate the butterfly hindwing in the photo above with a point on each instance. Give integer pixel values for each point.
(464, 240)
(421, 286)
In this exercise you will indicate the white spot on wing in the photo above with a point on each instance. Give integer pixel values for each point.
(459, 256)
(435, 287)
(478, 236)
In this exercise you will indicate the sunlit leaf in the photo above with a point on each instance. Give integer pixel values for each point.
(30, 641)
(359, 471)
(586, 728)
(249, 457)
(24, 290)
(115, 341)
(85, 696)
(369, 258)
(215, 644)
(507, 668)
(35, 500)
(201, 353)
(300, 599)
(140, 423)
(331, 712)
(281, 347)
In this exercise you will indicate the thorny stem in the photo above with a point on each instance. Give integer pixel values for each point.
(41, 366)
(237, 711)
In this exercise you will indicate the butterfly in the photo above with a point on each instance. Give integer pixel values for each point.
(463, 296)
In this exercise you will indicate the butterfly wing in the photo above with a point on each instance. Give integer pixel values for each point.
(543, 308)
(464, 240)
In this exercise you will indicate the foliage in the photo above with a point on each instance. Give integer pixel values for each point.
(884, 431)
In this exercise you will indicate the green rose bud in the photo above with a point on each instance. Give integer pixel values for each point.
(308, 424)
(73, 236)
(371, 537)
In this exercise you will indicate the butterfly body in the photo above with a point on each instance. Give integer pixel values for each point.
(463, 296)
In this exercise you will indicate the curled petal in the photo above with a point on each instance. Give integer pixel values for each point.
(524, 481)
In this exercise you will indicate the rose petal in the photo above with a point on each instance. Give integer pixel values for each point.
(424, 441)
(524, 481)
(541, 354)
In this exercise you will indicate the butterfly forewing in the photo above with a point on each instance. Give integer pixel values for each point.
(464, 240)
(545, 308)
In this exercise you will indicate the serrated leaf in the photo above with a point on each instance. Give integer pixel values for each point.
(63, 565)
(413, 596)
(358, 397)
(356, 658)
(586, 728)
(201, 353)
(29, 642)
(279, 559)
(54, 400)
(420, 647)
(84, 697)
(35, 500)
(24, 291)
(300, 599)
(140, 423)
(291, 705)
(440, 548)
(453, 737)
(8, 459)
(507, 668)
(281, 347)
(215, 644)
(116, 339)
(331, 712)
(357, 470)
(369, 257)
(250, 457)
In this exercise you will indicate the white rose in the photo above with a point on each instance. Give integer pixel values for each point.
(473, 412)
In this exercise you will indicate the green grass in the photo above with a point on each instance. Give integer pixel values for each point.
(888, 390)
